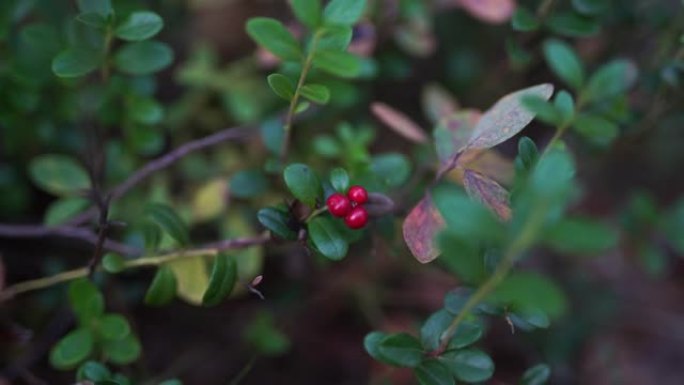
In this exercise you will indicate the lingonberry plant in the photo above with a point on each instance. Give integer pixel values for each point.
(356, 192)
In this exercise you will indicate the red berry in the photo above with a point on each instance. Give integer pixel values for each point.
(357, 218)
(338, 205)
(358, 194)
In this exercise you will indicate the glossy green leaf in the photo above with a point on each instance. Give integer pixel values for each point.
(167, 219)
(63, 209)
(113, 263)
(467, 333)
(573, 25)
(338, 63)
(334, 38)
(565, 106)
(308, 12)
(317, 93)
(86, 300)
(611, 79)
(343, 12)
(528, 152)
(143, 58)
(564, 62)
(222, 280)
(536, 375)
(113, 327)
(123, 351)
(401, 350)
(591, 7)
(433, 372)
(372, 345)
(339, 179)
(392, 169)
(59, 174)
(92, 19)
(506, 118)
(94, 371)
(102, 7)
(530, 319)
(281, 86)
(145, 111)
(469, 365)
(278, 222)
(162, 290)
(274, 37)
(302, 183)
(581, 236)
(72, 349)
(544, 110)
(596, 129)
(327, 239)
(139, 25)
(524, 20)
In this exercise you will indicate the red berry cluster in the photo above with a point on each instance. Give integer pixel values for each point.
(350, 207)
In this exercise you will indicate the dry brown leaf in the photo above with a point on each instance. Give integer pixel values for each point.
(398, 122)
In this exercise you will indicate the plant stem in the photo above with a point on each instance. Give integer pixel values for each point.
(316, 213)
(287, 127)
(245, 370)
(153, 260)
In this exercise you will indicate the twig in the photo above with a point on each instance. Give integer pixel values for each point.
(245, 370)
(154, 260)
(73, 232)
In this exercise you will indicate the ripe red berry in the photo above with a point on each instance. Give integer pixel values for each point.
(357, 218)
(338, 205)
(358, 194)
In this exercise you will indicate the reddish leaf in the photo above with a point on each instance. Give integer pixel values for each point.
(437, 102)
(506, 118)
(490, 163)
(490, 11)
(399, 123)
(421, 226)
(487, 191)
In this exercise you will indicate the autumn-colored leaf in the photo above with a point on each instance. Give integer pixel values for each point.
(452, 135)
(490, 11)
(488, 192)
(487, 162)
(420, 227)
(437, 102)
(398, 122)
(506, 118)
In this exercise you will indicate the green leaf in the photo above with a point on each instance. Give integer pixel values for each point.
(611, 79)
(327, 239)
(86, 300)
(145, 111)
(392, 169)
(573, 25)
(464, 217)
(506, 118)
(596, 129)
(564, 62)
(75, 62)
(591, 7)
(528, 152)
(529, 291)
(468, 365)
(281, 86)
(544, 111)
(123, 351)
(63, 209)
(433, 372)
(317, 93)
(434, 326)
(278, 222)
(671, 223)
(92, 19)
(113, 263)
(192, 278)
(401, 350)
(308, 12)
(334, 38)
(530, 319)
(102, 7)
(248, 184)
(536, 375)
(339, 179)
(58, 174)
(72, 349)
(143, 58)
(463, 257)
(222, 280)
(565, 105)
(140, 25)
(264, 337)
(524, 20)
(344, 12)
(113, 327)
(372, 345)
(302, 183)
(338, 63)
(94, 371)
(162, 290)
(274, 37)
(581, 236)
(167, 219)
